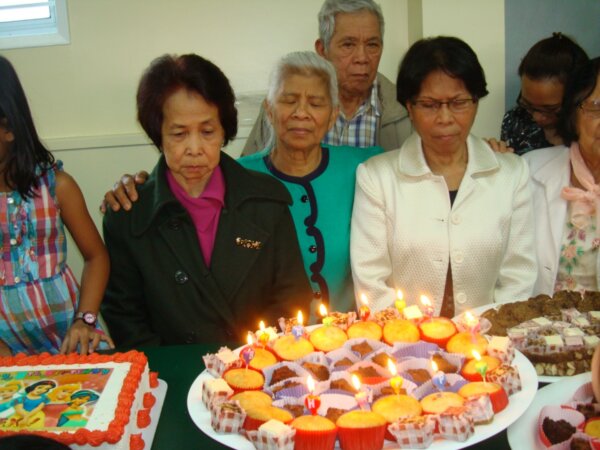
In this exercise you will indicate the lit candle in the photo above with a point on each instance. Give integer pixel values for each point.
(480, 366)
(327, 321)
(364, 310)
(439, 377)
(361, 396)
(427, 306)
(396, 380)
(400, 303)
(298, 330)
(312, 402)
(263, 336)
(248, 352)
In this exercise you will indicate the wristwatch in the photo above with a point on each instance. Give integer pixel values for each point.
(88, 317)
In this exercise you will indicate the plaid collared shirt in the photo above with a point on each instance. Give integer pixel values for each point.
(360, 130)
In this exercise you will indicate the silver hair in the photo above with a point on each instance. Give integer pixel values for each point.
(301, 63)
(331, 8)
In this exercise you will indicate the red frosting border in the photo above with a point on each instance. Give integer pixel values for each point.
(116, 428)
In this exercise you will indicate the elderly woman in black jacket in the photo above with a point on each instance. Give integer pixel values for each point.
(210, 247)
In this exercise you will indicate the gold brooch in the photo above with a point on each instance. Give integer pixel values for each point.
(248, 243)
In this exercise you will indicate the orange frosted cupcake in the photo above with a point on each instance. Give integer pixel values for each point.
(329, 338)
(497, 394)
(464, 343)
(289, 348)
(469, 372)
(400, 330)
(365, 329)
(314, 433)
(244, 379)
(258, 415)
(263, 357)
(361, 430)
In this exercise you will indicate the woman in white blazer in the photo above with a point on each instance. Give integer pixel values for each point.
(566, 191)
(443, 216)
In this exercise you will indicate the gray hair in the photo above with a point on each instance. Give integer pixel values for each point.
(332, 7)
(303, 63)
(300, 63)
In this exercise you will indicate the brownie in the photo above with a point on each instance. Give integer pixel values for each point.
(320, 372)
(345, 362)
(387, 390)
(366, 372)
(282, 373)
(285, 385)
(589, 410)
(342, 384)
(443, 364)
(382, 359)
(296, 410)
(334, 414)
(363, 348)
(419, 376)
(557, 430)
(580, 444)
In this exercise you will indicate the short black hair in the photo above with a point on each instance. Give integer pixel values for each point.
(32, 386)
(26, 152)
(168, 73)
(443, 53)
(553, 57)
(580, 85)
(30, 442)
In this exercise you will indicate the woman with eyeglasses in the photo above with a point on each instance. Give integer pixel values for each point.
(543, 72)
(444, 215)
(566, 191)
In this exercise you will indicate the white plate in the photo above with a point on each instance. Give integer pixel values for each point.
(542, 378)
(160, 393)
(523, 433)
(517, 405)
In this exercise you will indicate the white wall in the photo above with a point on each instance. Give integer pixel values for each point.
(83, 94)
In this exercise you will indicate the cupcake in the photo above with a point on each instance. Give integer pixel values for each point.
(262, 358)
(252, 399)
(256, 416)
(289, 348)
(400, 330)
(437, 330)
(361, 430)
(497, 394)
(394, 407)
(464, 343)
(328, 338)
(246, 379)
(439, 402)
(470, 373)
(365, 329)
(314, 433)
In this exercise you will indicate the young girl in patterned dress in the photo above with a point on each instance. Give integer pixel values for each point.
(40, 301)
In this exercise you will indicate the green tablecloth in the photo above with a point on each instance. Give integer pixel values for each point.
(179, 366)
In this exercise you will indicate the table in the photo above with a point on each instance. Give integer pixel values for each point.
(179, 365)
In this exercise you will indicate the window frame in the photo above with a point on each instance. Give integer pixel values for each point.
(38, 32)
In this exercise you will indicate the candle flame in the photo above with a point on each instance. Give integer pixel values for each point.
(392, 368)
(425, 300)
(310, 384)
(476, 355)
(261, 326)
(355, 382)
(434, 366)
(250, 339)
(322, 310)
(399, 295)
(300, 318)
(470, 319)
(364, 300)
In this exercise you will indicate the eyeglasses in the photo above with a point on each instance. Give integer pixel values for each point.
(456, 105)
(548, 111)
(592, 108)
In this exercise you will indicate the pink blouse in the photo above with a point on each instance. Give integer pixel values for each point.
(204, 210)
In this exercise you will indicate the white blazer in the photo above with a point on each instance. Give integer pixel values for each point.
(550, 170)
(405, 233)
